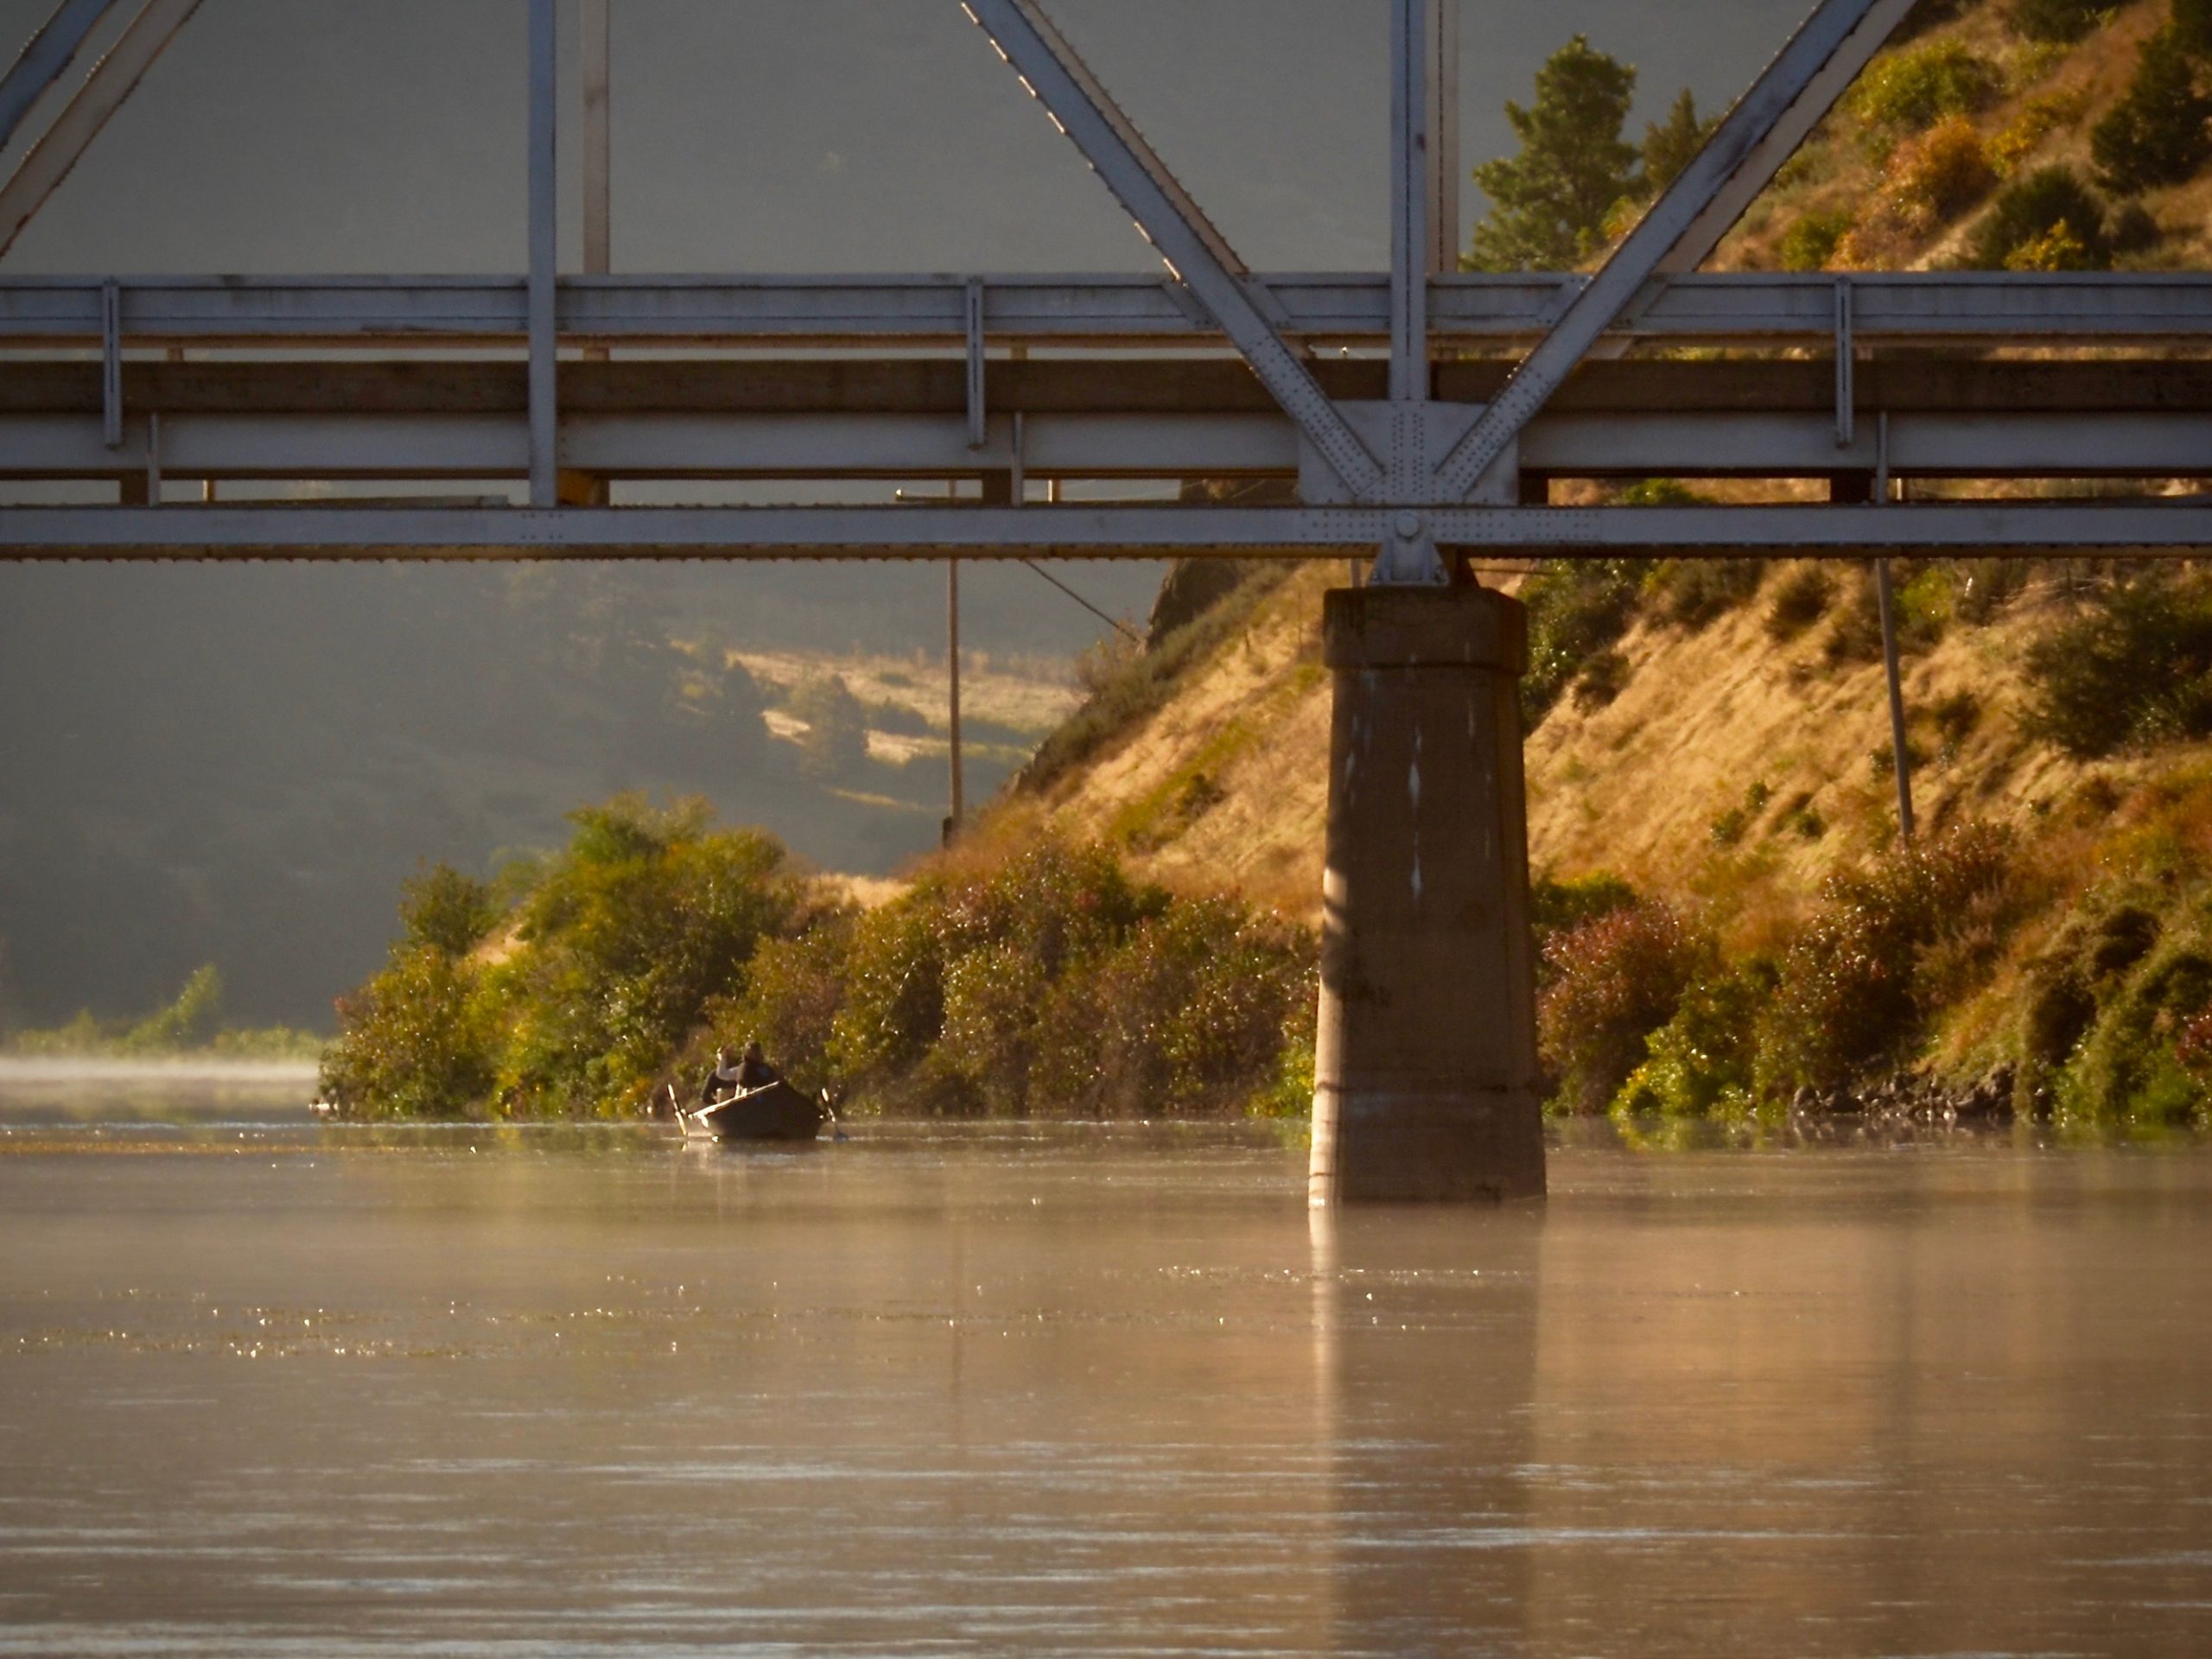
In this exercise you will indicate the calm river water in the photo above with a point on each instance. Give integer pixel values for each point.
(267, 1388)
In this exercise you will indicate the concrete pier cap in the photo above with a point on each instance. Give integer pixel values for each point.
(1426, 1082)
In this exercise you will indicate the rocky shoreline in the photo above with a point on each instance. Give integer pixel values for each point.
(1908, 1098)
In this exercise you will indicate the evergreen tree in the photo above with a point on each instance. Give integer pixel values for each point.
(2191, 25)
(2161, 132)
(1671, 145)
(1548, 204)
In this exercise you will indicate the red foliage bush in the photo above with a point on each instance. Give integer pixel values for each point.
(1613, 981)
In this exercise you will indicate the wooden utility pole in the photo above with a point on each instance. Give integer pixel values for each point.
(952, 824)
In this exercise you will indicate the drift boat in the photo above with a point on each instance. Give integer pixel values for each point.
(775, 1111)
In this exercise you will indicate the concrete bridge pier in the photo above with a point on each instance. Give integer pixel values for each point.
(1424, 1080)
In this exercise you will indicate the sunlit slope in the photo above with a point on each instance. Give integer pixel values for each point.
(1726, 755)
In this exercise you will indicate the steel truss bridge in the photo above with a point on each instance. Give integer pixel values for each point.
(1411, 411)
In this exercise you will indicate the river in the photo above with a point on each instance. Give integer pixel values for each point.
(270, 1388)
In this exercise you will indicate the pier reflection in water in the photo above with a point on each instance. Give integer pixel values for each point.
(268, 1388)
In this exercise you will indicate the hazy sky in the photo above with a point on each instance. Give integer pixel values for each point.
(793, 135)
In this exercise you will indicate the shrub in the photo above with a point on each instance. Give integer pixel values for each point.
(1604, 676)
(1692, 592)
(2134, 668)
(2057, 249)
(190, 1020)
(1191, 1013)
(1931, 179)
(2134, 229)
(2191, 23)
(1612, 981)
(1700, 1063)
(2060, 20)
(447, 911)
(1577, 609)
(1556, 908)
(1915, 88)
(2161, 131)
(416, 1041)
(1801, 599)
(2032, 211)
(2037, 120)
(646, 916)
(794, 988)
(1847, 997)
(2128, 1065)
(836, 744)
(1810, 242)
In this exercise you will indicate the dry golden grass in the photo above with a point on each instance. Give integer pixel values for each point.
(2050, 101)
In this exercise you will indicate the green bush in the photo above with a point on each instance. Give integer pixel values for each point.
(836, 743)
(1701, 1062)
(2060, 20)
(2129, 1066)
(2134, 667)
(1849, 996)
(2161, 131)
(1611, 982)
(417, 1040)
(1193, 1013)
(2191, 23)
(2047, 202)
(1917, 86)
(188, 1022)
(1577, 609)
(1809, 243)
(794, 988)
(1692, 592)
(1801, 599)
(444, 910)
(647, 916)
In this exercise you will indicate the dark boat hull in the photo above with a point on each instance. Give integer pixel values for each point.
(774, 1112)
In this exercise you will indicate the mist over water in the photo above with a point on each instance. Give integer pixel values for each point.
(283, 1388)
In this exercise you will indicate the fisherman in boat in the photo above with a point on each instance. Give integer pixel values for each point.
(751, 1070)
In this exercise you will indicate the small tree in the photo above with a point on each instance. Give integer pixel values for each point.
(447, 911)
(1548, 204)
(2059, 20)
(836, 744)
(1671, 145)
(2032, 211)
(2161, 132)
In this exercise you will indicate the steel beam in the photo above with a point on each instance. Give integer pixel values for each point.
(1081, 531)
(44, 58)
(61, 445)
(1196, 255)
(1751, 309)
(1679, 208)
(113, 81)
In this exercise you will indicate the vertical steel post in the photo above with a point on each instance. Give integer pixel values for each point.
(1883, 598)
(111, 363)
(978, 410)
(544, 255)
(1412, 194)
(952, 706)
(1443, 79)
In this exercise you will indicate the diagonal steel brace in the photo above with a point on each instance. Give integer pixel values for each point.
(45, 57)
(1690, 218)
(116, 77)
(1195, 251)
